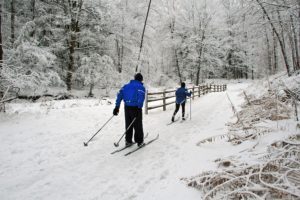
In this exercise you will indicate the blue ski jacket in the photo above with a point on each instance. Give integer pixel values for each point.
(181, 94)
(133, 94)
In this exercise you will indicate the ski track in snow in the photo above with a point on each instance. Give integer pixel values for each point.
(42, 154)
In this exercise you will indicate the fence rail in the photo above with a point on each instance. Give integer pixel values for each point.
(163, 96)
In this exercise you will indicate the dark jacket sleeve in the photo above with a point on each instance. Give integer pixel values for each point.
(188, 93)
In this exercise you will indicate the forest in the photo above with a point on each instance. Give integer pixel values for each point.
(89, 44)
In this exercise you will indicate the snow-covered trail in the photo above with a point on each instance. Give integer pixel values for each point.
(42, 154)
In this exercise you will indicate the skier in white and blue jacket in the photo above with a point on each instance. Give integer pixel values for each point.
(133, 95)
(181, 94)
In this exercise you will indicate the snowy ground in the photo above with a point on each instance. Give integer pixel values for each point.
(42, 154)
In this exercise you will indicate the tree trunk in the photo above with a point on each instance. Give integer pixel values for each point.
(293, 49)
(200, 54)
(33, 9)
(118, 55)
(198, 73)
(122, 43)
(268, 53)
(275, 54)
(91, 90)
(298, 46)
(1, 49)
(199, 65)
(12, 21)
(73, 30)
(142, 39)
(177, 66)
(72, 45)
(294, 43)
(230, 62)
(282, 46)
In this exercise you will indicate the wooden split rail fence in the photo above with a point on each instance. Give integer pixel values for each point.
(167, 97)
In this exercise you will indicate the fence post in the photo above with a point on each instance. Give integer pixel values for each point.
(146, 103)
(199, 92)
(193, 91)
(164, 100)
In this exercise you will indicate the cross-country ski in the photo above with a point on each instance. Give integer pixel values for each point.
(144, 145)
(127, 146)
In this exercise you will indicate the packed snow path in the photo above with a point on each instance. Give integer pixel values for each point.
(42, 154)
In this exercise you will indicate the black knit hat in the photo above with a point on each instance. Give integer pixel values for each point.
(138, 77)
(182, 84)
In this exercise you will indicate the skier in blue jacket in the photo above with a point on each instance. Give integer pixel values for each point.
(181, 94)
(133, 95)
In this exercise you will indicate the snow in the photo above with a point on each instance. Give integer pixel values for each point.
(42, 154)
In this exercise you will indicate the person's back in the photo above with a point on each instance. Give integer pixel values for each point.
(132, 94)
(181, 94)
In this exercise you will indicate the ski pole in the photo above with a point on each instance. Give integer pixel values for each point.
(117, 144)
(86, 143)
(190, 108)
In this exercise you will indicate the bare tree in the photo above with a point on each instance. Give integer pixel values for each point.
(294, 40)
(172, 32)
(292, 36)
(280, 39)
(12, 21)
(269, 53)
(298, 30)
(73, 10)
(275, 53)
(120, 40)
(142, 39)
(1, 48)
(32, 7)
(200, 30)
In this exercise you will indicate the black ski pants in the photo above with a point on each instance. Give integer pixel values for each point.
(182, 108)
(130, 114)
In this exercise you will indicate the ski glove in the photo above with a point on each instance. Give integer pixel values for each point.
(116, 111)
